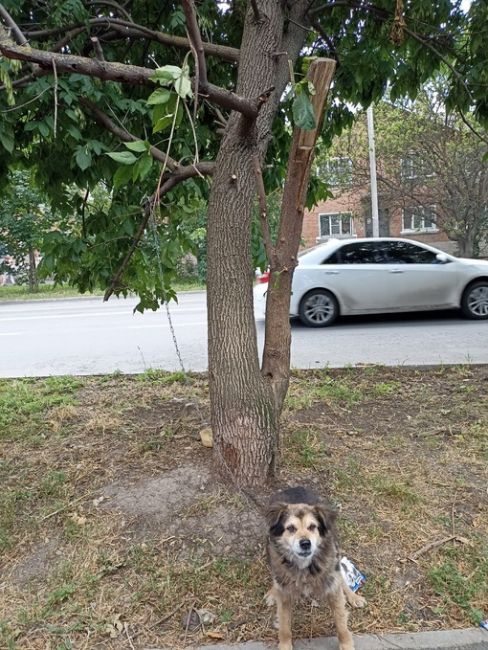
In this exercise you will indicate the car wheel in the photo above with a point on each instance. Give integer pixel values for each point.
(474, 302)
(318, 308)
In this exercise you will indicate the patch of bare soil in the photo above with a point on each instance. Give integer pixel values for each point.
(115, 526)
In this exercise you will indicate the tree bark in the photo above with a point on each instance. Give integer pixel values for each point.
(277, 342)
(32, 275)
(243, 416)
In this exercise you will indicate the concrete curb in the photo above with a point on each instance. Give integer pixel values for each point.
(468, 639)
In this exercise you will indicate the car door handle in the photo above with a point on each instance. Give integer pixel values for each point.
(331, 272)
(397, 271)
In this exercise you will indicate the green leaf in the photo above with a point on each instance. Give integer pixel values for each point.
(166, 74)
(163, 123)
(122, 157)
(159, 96)
(303, 115)
(138, 146)
(96, 146)
(142, 167)
(122, 176)
(183, 85)
(7, 140)
(83, 158)
(43, 129)
(74, 132)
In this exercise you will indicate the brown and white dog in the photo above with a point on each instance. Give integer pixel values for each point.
(304, 558)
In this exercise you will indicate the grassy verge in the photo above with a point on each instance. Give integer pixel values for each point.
(113, 528)
(52, 292)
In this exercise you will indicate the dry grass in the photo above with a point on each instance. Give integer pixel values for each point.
(82, 565)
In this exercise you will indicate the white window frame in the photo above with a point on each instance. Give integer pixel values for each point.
(340, 235)
(333, 176)
(416, 165)
(423, 228)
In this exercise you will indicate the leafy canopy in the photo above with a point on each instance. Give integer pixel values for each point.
(66, 128)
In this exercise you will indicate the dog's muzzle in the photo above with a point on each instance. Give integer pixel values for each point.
(305, 547)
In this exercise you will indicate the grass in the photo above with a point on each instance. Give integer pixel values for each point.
(24, 404)
(305, 448)
(45, 292)
(51, 292)
(321, 387)
(403, 451)
(460, 579)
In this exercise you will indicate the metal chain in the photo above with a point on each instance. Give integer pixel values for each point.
(172, 330)
(157, 246)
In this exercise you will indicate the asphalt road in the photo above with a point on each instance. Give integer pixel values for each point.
(87, 336)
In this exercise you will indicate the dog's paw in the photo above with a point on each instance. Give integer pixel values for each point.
(356, 601)
(348, 645)
(270, 599)
(288, 645)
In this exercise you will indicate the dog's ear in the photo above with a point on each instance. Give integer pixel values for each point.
(275, 515)
(326, 517)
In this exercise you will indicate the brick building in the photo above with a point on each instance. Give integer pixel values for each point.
(348, 215)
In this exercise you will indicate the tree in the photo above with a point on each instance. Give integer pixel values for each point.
(24, 220)
(95, 74)
(428, 161)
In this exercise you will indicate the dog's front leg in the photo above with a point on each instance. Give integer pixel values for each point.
(337, 603)
(283, 611)
(355, 600)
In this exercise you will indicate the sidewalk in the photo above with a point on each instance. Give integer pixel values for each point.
(470, 639)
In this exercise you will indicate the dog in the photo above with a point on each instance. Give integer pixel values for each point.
(304, 558)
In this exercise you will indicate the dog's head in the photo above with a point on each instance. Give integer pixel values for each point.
(299, 529)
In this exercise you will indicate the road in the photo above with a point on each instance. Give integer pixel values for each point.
(87, 336)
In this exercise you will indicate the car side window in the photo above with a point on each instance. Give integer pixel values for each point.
(332, 259)
(362, 253)
(400, 252)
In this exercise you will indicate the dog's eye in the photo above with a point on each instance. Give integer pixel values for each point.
(312, 527)
(291, 528)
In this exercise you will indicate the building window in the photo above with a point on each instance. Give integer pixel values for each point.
(413, 166)
(336, 224)
(337, 172)
(419, 218)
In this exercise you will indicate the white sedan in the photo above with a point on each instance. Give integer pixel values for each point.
(372, 276)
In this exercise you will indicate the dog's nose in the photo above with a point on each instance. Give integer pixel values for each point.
(305, 544)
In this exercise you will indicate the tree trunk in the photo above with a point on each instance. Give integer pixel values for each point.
(32, 275)
(466, 244)
(243, 416)
(276, 356)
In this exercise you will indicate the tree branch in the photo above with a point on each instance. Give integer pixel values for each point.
(132, 30)
(255, 8)
(181, 174)
(196, 40)
(114, 5)
(473, 130)
(69, 63)
(25, 81)
(103, 120)
(120, 72)
(220, 96)
(15, 29)
(97, 48)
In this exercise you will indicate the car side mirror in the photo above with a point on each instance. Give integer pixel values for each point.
(442, 258)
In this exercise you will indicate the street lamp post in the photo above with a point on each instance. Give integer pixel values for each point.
(372, 172)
